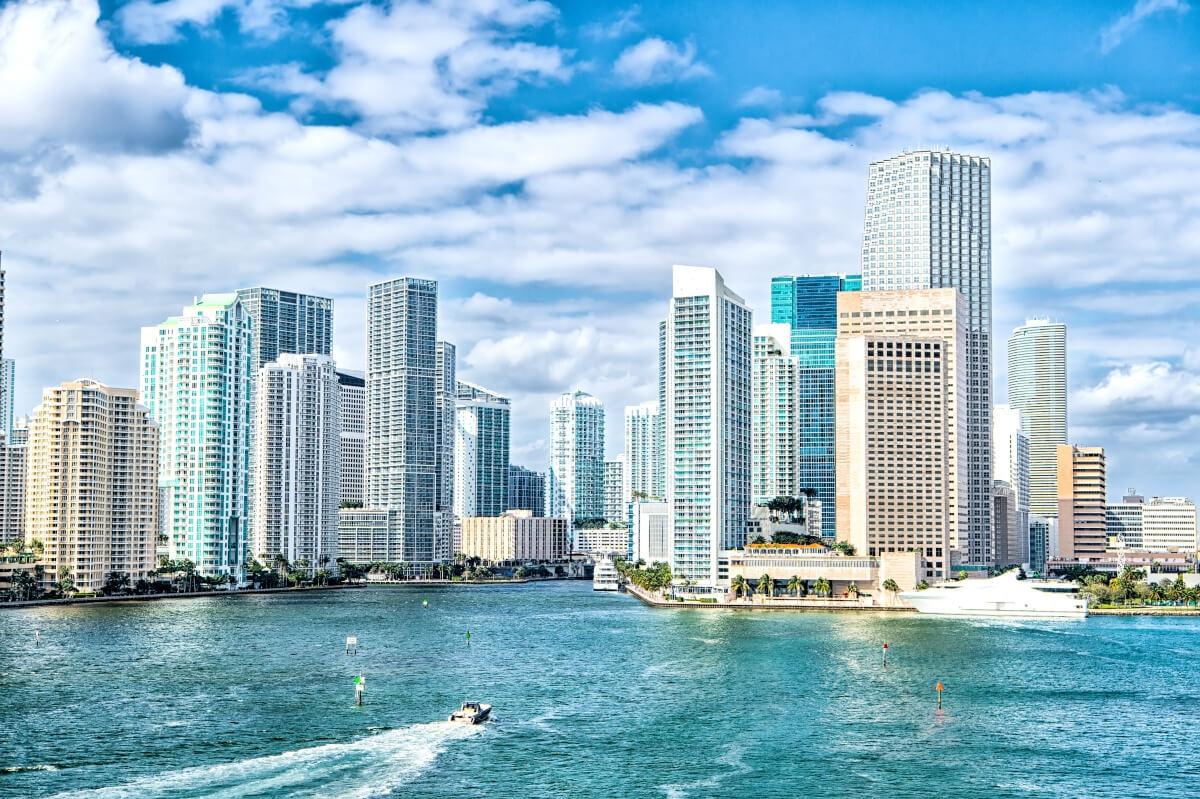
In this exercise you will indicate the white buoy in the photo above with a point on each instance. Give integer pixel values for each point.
(351, 644)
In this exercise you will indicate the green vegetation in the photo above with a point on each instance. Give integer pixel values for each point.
(656, 577)
(891, 585)
(1129, 588)
(739, 586)
(924, 584)
(822, 587)
(766, 586)
(844, 547)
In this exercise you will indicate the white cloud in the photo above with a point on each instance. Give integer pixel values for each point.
(625, 23)
(656, 60)
(150, 22)
(761, 97)
(1129, 22)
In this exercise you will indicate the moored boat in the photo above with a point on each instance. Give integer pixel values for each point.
(999, 596)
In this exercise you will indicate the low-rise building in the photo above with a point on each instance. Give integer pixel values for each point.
(812, 562)
(515, 535)
(368, 535)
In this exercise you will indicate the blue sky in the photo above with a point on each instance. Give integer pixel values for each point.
(548, 162)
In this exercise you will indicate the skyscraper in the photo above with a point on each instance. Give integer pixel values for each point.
(575, 481)
(643, 454)
(92, 485)
(8, 379)
(615, 499)
(287, 322)
(402, 412)
(353, 408)
(1123, 522)
(900, 435)
(928, 225)
(1082, 504)
(481, 447)
(707, 419)
(297, 461)
(1010, 467)
(1037, 387)
(808, 306)
(12, 492)
(526, 490)
(775, 469)
(446, 380)
(197, 382)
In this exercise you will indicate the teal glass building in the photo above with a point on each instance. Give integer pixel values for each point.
(808, 305)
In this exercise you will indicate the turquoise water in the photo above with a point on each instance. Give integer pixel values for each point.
(595, 696)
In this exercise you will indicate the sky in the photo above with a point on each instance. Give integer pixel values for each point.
(548, 163)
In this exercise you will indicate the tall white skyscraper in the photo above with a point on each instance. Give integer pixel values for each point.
(481, 447)
(707, 354)
(775, 406)
(1037, 387)
(575, 481)
(446, 380)
(197, 381)
(643, 472)
(928, 225)
(353, 408)
(402, 412)
(287, 322)
(297, 461)
(616, 500)
(1010, 447)
(8, 379)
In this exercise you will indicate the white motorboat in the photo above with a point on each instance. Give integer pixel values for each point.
(471, 713)
(999, 596)
(604, 575)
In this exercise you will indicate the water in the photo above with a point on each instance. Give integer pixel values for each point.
(595, 696)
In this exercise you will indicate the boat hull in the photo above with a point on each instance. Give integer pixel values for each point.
(998, 597)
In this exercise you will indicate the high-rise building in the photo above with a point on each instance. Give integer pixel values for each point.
(774, 403)
(808, 306)
(1123, 522)
(526, 490)
(197, 381)
(1012, 527)
(707, 420)
(1082, 526)
(643, 454)
(370, 535)
(481, 447)
(92, 486)
(650, 531)
(20, 431)
(446, 379)
(353, 407)
(1037, 387)
(1010, 448)
(902, 453)
(1043, 533)
(515, 535)
(297, 462)
(287, 322)
(1169, 524)
(928, 225)
(8, 380)
(615, 498)
(12, 492)
(402, 412)
(575, 482)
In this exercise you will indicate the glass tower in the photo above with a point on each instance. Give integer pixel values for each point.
(287, 322)
(808, 305)
(575, 482)
(481, 447)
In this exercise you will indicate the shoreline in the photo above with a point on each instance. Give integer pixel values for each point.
(773, 605)
(1144, 611)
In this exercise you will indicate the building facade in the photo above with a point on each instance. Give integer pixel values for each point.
(575, 481)
(650, 531)
(352, 404)
(297, 462)
(481, 451)
(446, 378)
(197, 381)
(515, 535)
(526, 490)
(707, 419)
(643, 451)
(928, 225)
(287, 322)
(616, 500)
(1169, 524)
(1037, 387)
(775, 416)
(1082, 503)
(92, 483)
(1123, 522)
(1043, 533)
(808, 306)
(8, 381)
(370, 535)
(12, 493)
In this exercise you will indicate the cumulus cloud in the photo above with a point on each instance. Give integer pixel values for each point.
(656, 60)
(151, 22)
(761, 97)
(625, 23)
(1129, 22)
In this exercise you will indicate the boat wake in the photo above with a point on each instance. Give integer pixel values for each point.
(374, 766)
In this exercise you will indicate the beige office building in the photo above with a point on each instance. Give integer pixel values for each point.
(92, 483)
(514, 535)
(900, 436)
(1082, 502)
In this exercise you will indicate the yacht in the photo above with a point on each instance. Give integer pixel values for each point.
(471, 713)
(999, 596)
(604, 576)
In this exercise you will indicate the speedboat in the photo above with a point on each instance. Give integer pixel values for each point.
(999, 596)
(471, 713)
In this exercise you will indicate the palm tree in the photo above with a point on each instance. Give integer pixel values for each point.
(738, 586)
(766, 586)
(852, 590)
(23, 585)
(793, 586)
(891, 585)
(822, 587)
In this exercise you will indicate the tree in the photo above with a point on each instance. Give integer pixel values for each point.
(962, 575)
(115, 583)
(738, 586)
(759, 540)
(844, 547)
(766, 586)
(852, 590)
(793, 586)
(822, 587)
(66, 583)
(189, 574)
(24, 586)
(921, 586)
(891, 585)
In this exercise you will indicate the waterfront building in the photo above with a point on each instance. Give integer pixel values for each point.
(12, 492)
(650, 531)
(1043, 533)
(197, 381)
(352, 405)
(526, 490)
(1012, 530)
(370, 535)
(297, 462)
(812, 562)
(1037, 387)
(1082, 531)
(604, 539)
(707, 419)
(287, 322)
(92, 483)
(1123, 522)
(1169, 525)
(8, 379)
(902, 442)
(643, 451)
(446, 401)
(481, 448)
(575, 482)
(402, 413)
(774, 403)
(928, 225)
(807, 304)
(616, 501)
(515, 535)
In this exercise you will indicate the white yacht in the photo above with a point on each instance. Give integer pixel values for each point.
(604, 576)
(999, 596)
